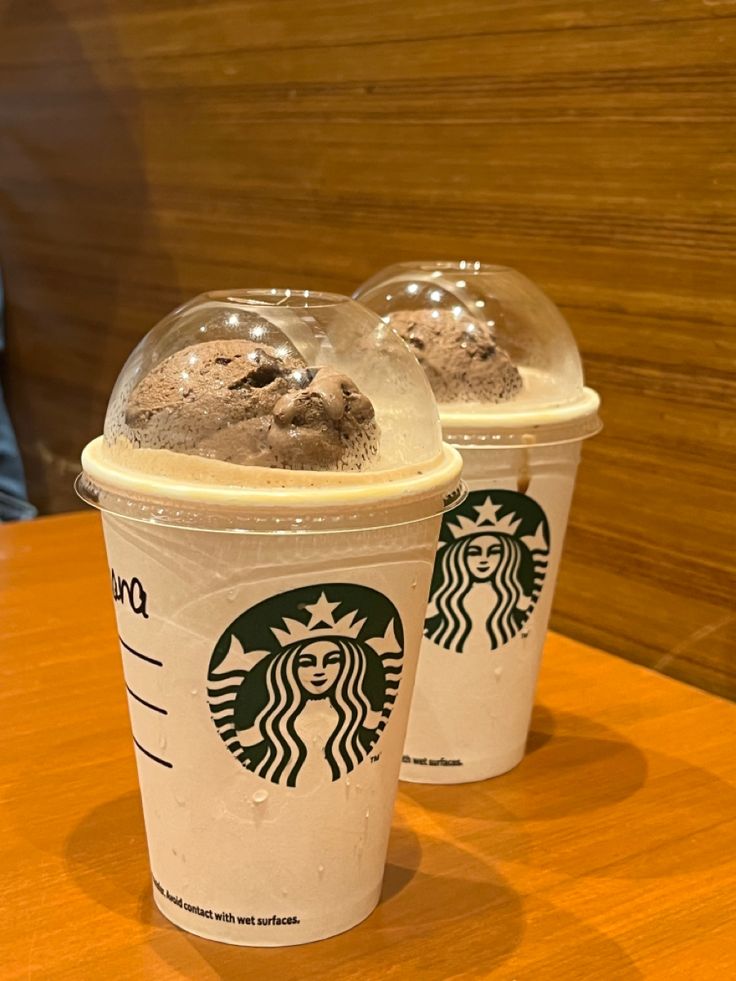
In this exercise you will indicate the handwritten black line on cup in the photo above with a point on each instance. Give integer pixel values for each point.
(152, 756)
(143, 657)
(150, 705)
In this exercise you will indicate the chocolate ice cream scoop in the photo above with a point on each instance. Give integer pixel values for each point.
(459, 355)
(218, 399)
(329, 425)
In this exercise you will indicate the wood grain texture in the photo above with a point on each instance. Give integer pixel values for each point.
(155, 150)
(608, 853)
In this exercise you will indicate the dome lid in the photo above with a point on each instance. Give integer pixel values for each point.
(501, 358)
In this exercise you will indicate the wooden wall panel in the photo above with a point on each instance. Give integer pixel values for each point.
(155, 149)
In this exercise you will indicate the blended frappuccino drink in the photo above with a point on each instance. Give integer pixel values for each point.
(506, 372)
(271, 480)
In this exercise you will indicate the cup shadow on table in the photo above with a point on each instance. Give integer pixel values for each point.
(107, 856)
(442, 898)
(423, 920)
(436, 926)
(579, 767)
(428, 888)
(468, 949)
(572, 766)
(542, 729)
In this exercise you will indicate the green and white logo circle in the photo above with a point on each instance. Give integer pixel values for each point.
(301, 686)
(490, 567)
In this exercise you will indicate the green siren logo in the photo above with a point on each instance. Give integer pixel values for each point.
(301, 686)
(490, 567)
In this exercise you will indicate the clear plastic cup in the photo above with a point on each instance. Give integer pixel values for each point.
(269, 619)
(508, 378)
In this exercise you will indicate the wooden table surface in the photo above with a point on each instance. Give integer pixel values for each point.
(609, 853)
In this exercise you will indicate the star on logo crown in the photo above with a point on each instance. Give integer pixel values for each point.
(488, 521)
(322, 623)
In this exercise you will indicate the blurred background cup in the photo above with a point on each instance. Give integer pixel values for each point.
(269, 619)
(506, 372)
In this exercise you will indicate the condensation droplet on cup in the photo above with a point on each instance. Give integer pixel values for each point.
(181, 801)
(231, 594)
(498, 672)
(367, 814)
(162, 742)
(320, 870)
(260, 797)
(195, 691)
(413, 584)
(284, 891)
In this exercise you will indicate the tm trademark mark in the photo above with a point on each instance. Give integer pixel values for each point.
(376, 758)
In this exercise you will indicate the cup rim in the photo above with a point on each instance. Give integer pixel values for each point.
(353, 501)
(547, 425)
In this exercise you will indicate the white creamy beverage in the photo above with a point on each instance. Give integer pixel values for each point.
(271, 479)
(506, 371)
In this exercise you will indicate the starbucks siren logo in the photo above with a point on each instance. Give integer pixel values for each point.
(492, 555)
(301, 686)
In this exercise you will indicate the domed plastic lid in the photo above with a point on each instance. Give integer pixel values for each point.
(499, 355)
(273, 399)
